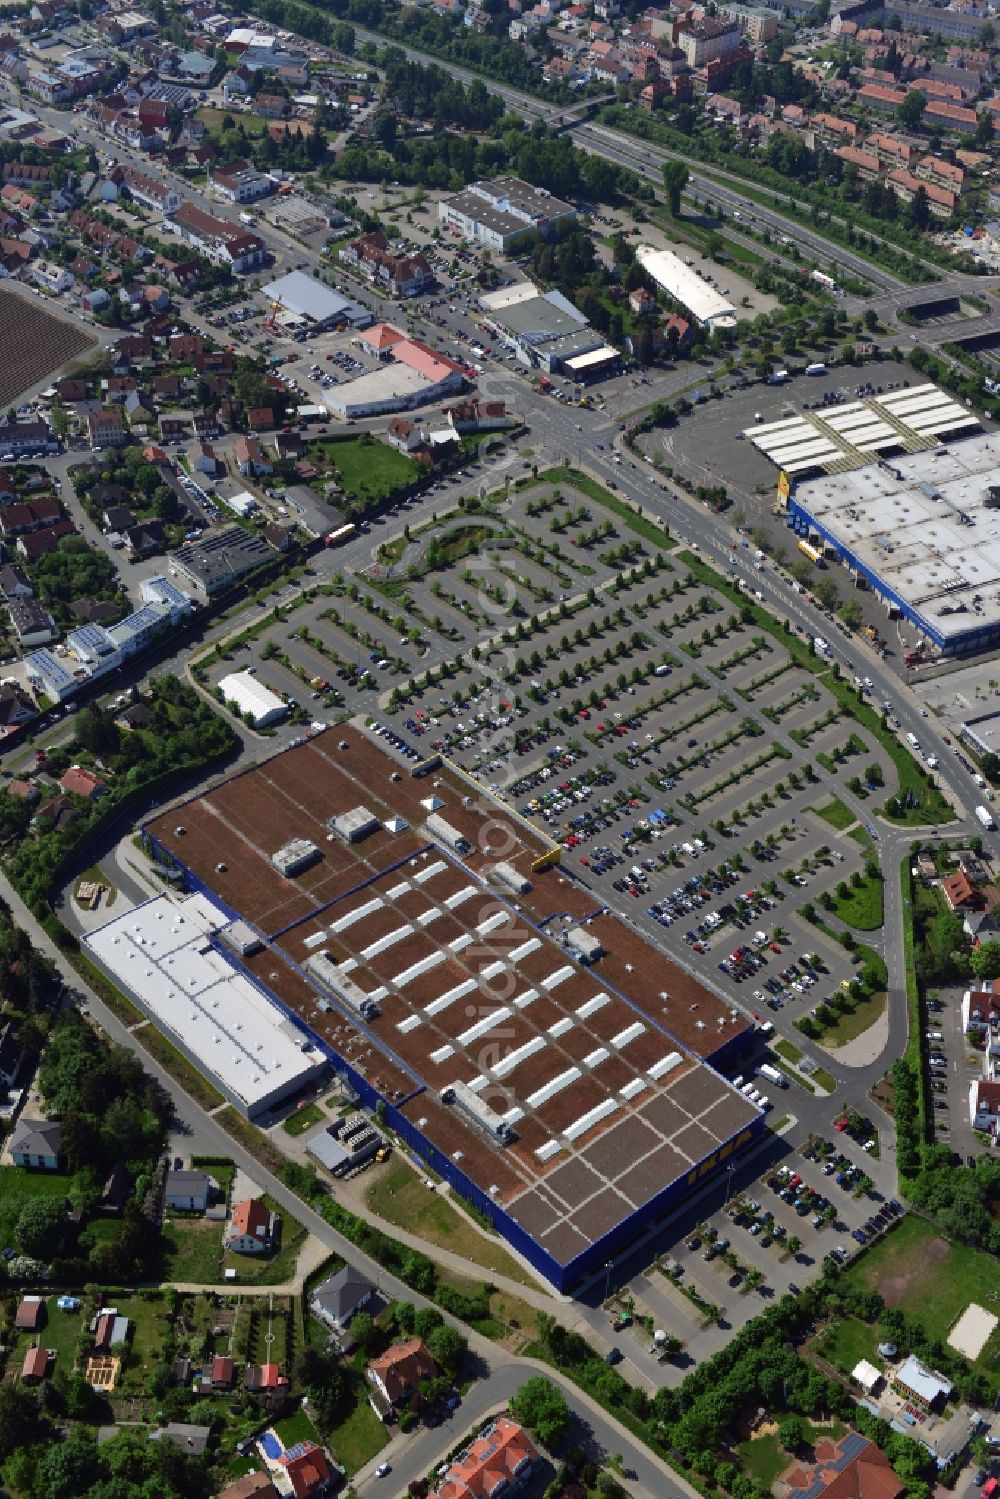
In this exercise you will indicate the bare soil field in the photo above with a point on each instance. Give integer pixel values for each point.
(35, 343)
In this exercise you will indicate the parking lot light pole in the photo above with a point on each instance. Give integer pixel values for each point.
(607, 1278)
(729, 1181)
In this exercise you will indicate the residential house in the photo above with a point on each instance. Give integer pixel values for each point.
(264, 1379)
(16, 708)
(174, 429)
(501, 1460)
(250, 458)
(395, 1375)
(107, 428)
(40, 543)
(30, 1314)
(135, 717)
(31, 622)
(204, 460)
(250, 1486)
(34, 515)
(961, 894)
(36, 1143)
(117, 517)
(252, 1229)
(145, 537)
(188, 1191)
(218, 1374)
(984, 1107)
(306, 1469)
(403, 435)
(78, 781)
(340, 1296)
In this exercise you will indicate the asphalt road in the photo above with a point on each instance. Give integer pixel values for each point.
(499, 1373)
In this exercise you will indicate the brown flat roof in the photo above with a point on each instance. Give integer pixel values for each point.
(596, 1069)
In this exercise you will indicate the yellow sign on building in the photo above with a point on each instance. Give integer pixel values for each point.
(784, 488)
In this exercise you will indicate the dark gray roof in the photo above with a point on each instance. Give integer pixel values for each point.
(341, 1293)
(37, 1136)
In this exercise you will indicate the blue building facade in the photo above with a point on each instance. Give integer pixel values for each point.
(562, 1276)
(969, 642)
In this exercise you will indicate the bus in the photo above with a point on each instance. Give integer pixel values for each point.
(813, 552)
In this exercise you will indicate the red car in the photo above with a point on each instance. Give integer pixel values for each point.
(774, 946)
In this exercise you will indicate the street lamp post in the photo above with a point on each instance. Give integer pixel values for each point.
(607, 1278)
(729, 1181)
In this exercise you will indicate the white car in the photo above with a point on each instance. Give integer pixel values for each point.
(383, 1469)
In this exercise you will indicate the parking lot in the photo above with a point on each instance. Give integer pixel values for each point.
(770, 1237)
(691, 769)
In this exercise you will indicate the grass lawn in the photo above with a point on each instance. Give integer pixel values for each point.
(367, 469)
(836, 813)
(17, 1186)
(863, 908)
(764, 1457)
(360, 1435)
(846, 1342)
(192, 1251)
(399, 1197)
(273, 1270)
(849, 1026)
(303, 1119)
(61, 1332)
(219, 1170)
(932, 1282)
(297, 1428)
(149, 1328)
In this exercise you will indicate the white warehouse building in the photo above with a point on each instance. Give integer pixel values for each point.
(207, 1006)
(705, 303)
(250, 697)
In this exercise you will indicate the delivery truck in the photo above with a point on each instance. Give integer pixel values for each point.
(985, 816)
(773, 1075)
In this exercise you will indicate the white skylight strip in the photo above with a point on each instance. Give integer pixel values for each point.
(630, 1033)
(561, 1026)
(596, 1057)
(591, 1006)
(520, 1054)
(552, 1087)
(666, 1064)
(487, 1023)
(525, 949)
(433, 960)
(460, 897)
(444, 1000)
(409, 1024)
(587, 1121)
(358, 914)
(637, 1085)
(499, 918)
(389, 940)
(431, 870)
(559, 977)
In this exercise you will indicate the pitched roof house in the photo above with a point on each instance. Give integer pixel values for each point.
(397, 1372)
(252, 1228)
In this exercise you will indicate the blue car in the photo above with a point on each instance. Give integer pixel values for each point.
(861, 1238)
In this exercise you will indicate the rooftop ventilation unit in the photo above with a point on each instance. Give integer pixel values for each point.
(460, 1096)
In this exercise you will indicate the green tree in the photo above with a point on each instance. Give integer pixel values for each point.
(793, 1434)
(41, 1226)
(675, 180)
(448, 1348)
(985, 960)
(542, 1408)
(911, 111)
